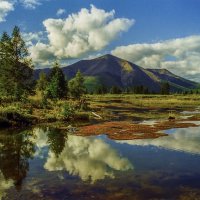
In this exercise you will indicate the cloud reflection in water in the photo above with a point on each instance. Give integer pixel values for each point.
(4, 185)
(186, 140)
(90, 158)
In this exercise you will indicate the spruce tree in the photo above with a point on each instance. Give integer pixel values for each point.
(15, 66)
(56, 88)
(42, 82)
(5, 65)
(76, 85)
(115, 90)
(165, 88)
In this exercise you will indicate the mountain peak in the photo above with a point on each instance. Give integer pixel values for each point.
(108, 56)
(110, 70)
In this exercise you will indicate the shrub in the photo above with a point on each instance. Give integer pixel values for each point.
(68, 111)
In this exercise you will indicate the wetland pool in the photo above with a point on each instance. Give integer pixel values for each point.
(44, 163)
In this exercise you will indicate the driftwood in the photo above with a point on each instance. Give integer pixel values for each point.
(96, 115)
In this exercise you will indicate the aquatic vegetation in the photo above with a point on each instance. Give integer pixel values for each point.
(124, 130)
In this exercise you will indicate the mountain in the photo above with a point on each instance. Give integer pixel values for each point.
(109, 70)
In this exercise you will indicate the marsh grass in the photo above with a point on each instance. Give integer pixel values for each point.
(144, 106)
(109, 107)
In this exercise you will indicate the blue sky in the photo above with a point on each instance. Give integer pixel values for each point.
(151, 33)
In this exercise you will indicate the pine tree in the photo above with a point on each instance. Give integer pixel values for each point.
(76, 85)
(115, 90)
(165, 88)
(56, 88)
(101, 89)
(15, 66)
(42, 82)
(22, 67)
(5, 65)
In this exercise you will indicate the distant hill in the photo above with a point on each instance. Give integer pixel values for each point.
(109, 70)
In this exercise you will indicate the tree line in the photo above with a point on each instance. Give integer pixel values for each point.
(138, 89)
(56, 86)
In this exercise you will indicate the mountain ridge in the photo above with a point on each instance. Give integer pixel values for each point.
(111, 70)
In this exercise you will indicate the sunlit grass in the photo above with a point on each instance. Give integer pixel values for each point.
(109, 107)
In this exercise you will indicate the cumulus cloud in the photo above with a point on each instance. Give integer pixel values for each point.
(31, 38)
(6, 6)
(40, 140)
(186, 140)
(40, 137)
(60, 12)
(90, 158)
(181, 55)
(79, 34)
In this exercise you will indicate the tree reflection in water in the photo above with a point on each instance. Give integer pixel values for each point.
(15, 150)
(56, 141)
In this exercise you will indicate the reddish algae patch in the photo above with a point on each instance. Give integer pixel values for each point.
(124, 130)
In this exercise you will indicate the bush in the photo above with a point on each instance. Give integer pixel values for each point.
(82, 116)
(68, 111)
(44, 101)
(30, 110)
(15, 117)
(83, 104)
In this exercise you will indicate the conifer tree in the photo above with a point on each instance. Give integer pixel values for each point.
(42, 82)
(165, 88)
(115, 90)
(15, 66)
(5, 65)
(56, 88)
(76, 85)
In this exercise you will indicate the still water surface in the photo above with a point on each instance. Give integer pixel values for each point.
(46, 163)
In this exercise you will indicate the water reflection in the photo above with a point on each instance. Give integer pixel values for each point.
(186, 140)
(15, 150)
(90, 158)
(54, 139)
(4, 185)
(57, 156)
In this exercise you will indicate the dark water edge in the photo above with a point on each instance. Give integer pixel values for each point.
(43, 163)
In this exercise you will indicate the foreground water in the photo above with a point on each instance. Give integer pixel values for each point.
(44, 163)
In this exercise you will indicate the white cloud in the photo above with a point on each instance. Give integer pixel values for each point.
(30, 4)
(40, 140)
(60, 12)
(181, 55)
(31, 38)
(80, 33)
(6, 6)
(42, 54)
(89, 158)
